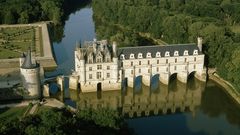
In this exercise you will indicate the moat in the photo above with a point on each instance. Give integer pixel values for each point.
(176, 109)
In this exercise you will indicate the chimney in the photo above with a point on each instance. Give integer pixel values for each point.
(114, 47)
(200, 43)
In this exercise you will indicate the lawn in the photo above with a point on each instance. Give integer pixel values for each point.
(16, 40)
(235, 28)
(12, 113)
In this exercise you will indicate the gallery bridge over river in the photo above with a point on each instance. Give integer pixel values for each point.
(100, 66)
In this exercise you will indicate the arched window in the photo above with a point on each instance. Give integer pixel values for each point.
(158, 54)
(167, 54)
(176, 53)
(195, 52)
(132, 56)
(122, 57)
(140, 55)
(185, 52)
(149, 55)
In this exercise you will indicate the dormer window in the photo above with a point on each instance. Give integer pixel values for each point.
(140, 55)
(167, 54)
(99, 59)
(195, 52)
(122, 57)
(185, 52)
(131, 56)
(149, 55)
(158, 54)
(176, 53)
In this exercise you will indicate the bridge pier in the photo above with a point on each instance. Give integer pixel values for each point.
(73, 82)
(182, 77)
(202, 76)
(146, 80)
(164, 78)
(130, 81)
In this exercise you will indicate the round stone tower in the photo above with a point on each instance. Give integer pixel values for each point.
(30, 74)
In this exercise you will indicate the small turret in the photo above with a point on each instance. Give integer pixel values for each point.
(27, 64)
(200, 43)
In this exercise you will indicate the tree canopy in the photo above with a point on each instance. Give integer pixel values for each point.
(177, 21)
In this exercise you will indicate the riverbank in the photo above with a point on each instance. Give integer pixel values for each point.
(230, 89)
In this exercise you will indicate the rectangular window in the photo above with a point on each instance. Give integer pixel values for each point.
(99, 75)
(90, 68)
(157, 69)
(175, 60)
(108, 67)
(185, 59)
(194, 66)
(132, 72)
(157, 61)
(149, 70)
(90, 76)
(139, 70)
(167, 69)
(166, 61)
(148, 62)
(140, 63)
(121, 64)
(99, 67)
(175, 67)
(195, 59)
(108, 75)
(131, 63)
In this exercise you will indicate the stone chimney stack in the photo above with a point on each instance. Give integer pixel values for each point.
(200, 43)
(114, 47)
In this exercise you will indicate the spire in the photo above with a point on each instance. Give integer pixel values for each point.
(27, 64)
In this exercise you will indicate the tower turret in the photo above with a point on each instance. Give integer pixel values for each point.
(30, 74)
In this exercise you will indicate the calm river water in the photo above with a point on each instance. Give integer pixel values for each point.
(195, 108)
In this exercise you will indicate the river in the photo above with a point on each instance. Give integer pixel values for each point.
(192, 109)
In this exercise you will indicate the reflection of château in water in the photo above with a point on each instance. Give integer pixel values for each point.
(144, 102)
(100, 66)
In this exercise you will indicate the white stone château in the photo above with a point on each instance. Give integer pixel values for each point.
(30, 74)
(100, 66)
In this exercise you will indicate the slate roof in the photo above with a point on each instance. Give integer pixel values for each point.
(157, 48)
(27, 64)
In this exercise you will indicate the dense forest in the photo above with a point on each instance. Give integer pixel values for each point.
(63, 122)
(30, 11)
(177, 21)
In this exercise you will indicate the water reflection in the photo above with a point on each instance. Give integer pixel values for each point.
(176, 97)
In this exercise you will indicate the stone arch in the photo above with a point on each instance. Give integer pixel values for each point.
(154, 83)
(138, 83)
(172, 82)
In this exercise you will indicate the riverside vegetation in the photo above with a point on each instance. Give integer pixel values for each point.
(61, 121)
(177, 21)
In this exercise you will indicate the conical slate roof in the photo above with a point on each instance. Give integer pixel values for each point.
(27, 64)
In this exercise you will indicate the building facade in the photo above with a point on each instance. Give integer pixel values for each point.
(30, 74)
(100, 66)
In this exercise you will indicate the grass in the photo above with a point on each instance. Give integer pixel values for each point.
(12, 113)
(16, 40)
(235, 28)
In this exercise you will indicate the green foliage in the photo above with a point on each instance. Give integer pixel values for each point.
(177, 21)
(103, 117)
(62, 122)
(27, 11)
